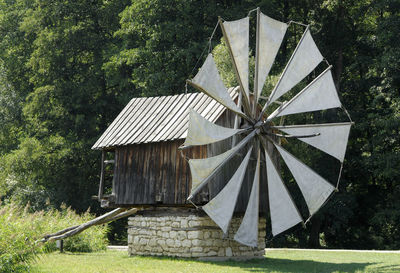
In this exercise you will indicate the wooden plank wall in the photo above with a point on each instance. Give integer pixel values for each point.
(156, 173)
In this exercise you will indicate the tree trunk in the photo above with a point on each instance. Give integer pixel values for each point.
(313, 241)
(339, 59)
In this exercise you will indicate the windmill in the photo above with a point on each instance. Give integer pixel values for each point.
(260, 132)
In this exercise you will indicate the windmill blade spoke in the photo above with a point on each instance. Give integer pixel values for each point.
(293, 136)
(271, 33)
(330, 138)
(320, 94)
(202, 170)
(236, 34)
(201, 131)
(304, 59)
(208, 81)
(247, 234)
(221, 207)
(284, 213)
(314, 188)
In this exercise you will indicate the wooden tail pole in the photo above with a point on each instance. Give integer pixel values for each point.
(74, 230)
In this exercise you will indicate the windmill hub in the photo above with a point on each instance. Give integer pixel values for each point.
(262, 127)
(258, 125)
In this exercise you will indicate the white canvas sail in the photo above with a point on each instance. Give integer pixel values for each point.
(320, 94)
(284, 213)
(202, 168)
(209, 82)
(247, 234)
(330, 138)
(271, 34)
(238, 37)
(221, 207)
(314, 188)
(201, 131)
(304, 59)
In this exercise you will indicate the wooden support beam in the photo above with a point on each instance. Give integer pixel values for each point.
(74, 230)
(101, 185)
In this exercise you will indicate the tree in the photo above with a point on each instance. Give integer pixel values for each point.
(162, 40)
(61, 48)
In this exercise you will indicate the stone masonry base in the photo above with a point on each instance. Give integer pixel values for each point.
(185, 234)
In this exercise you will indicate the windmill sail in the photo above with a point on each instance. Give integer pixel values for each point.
(271, 34)
(284, 213)
(220, 208)
(330, 138)
(201, 131)
(304, 59)
(237, 33)
(203, 169)
(209, 82)
(247, 234)
(314, 188)
(320, 94)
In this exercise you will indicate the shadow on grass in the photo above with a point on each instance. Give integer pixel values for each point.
(287, 265)
(388, 269)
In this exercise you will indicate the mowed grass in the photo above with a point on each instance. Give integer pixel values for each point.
(274, 261)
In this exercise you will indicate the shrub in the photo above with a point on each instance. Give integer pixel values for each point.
(17, 246)
(92, 239)
(20, 229)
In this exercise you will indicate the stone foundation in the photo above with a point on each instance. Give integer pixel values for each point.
(187, 235)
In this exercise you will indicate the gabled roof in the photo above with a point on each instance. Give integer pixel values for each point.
(155, 119)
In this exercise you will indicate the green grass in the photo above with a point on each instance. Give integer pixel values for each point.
(275, 261)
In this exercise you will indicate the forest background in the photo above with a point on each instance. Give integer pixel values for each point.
(68, 67)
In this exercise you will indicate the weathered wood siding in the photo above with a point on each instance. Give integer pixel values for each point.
(156, 173)
(153, 173)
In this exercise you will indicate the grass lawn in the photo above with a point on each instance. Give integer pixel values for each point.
(275, 261)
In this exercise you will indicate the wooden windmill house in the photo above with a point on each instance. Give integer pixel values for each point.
(151, 172)
(149, 169)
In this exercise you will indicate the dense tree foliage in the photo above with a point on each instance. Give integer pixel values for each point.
(55, 96)
(68, 67)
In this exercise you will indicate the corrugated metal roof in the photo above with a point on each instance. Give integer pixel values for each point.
(157, 119)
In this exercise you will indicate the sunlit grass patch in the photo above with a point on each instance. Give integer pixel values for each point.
(275, 261)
